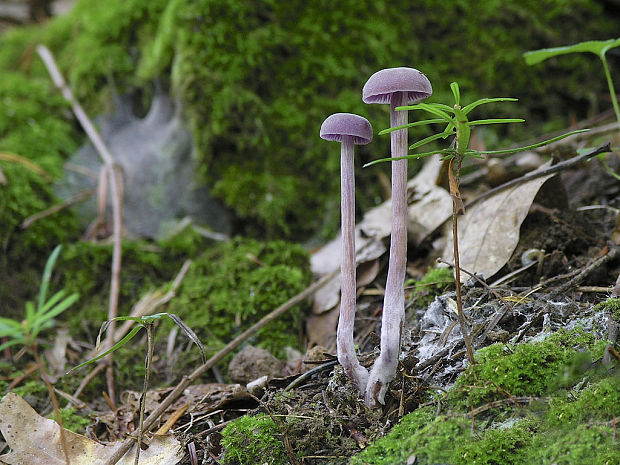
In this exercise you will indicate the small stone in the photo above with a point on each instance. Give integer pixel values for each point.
(252, 363)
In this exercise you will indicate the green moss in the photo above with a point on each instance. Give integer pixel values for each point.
(430, 438)
(599, 401)
(33, 126)
(575, 445)
(253, 440)
(72, 420)
(530, 369)
(433, 283)
(570, 424)
(35, 388)
(271, 71)
(98, 46)
(508, 446)
(234, 284)
(611, 305)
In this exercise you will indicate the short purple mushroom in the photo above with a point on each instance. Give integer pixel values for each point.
(349, 130)
(396, 86)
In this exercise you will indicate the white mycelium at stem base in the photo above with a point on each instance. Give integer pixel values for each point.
(348, 129)
(396, 86)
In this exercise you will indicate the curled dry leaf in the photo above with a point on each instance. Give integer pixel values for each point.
(35, 439)
(489, 230)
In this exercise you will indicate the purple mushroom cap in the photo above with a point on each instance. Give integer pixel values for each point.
(337, 126)
(381, 85)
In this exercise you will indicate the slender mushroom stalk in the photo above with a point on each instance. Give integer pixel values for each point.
(348, 129)
(396, 86)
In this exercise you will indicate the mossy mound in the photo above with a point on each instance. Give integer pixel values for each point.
(272, 71)
(530, 369)
(234, 284)
(570, 420)
(257, 78)
(253, 439)
(228, 287)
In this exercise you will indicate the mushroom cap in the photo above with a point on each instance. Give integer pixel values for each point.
(381, 85)
(337, 126)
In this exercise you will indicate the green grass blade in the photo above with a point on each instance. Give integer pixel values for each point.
(468, 108)
(430, 108)
(47, 274)
(410, 125)
(533, 146)
(426, 140)
(189, 333)
(13, 342)
(598, 47)
(61, 307)
(496, 121)
(410, 157)
(9, 323)
(50, 303)
(454, 87)
(41, 320)
(30, 311)
(116, 346)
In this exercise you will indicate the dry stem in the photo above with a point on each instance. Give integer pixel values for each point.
(116, 193)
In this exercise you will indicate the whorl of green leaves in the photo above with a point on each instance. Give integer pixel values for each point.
(459, 126)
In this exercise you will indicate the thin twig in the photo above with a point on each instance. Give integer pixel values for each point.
(50, 390)
(595, 264)
(540, 173)
(457, 208)
(147, 375)
(485, 285)
(122, 448)
(79, 197)
(115, 189)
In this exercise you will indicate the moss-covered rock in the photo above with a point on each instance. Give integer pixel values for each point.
(253, 440)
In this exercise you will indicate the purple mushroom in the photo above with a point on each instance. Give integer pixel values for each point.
(348, 129)
(396, 86)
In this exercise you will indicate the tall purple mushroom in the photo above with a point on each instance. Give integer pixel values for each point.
(348, 129)
(396, 86)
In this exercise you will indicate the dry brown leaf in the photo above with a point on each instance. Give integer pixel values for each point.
(34, 439)
(321, 329)
(429, 206)
(489, 230)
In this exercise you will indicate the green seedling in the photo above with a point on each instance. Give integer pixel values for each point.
(37, 318)
(598, 48)
(459, 126)
(40, 316)
(147, 323)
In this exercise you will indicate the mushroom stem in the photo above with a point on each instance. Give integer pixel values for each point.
(384, 368)
(346, 323)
